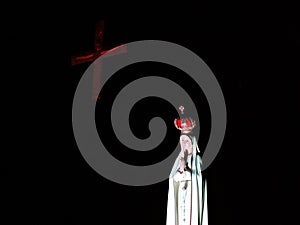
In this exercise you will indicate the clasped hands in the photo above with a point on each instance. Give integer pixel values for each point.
(182, 164)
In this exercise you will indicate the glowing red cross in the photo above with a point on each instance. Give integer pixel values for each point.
(98, 51)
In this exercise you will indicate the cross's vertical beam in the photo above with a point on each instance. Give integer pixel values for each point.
(98, 43)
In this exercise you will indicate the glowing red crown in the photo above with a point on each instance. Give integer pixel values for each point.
(186, 125)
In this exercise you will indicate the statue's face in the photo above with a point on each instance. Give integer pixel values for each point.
(186, 144)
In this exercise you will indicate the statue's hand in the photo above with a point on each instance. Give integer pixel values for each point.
(182, 164)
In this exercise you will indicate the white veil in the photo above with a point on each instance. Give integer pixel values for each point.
(199, 215)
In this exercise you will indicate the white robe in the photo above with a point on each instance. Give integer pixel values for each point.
(187, 207)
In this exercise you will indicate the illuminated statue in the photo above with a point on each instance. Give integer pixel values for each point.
(187, 195)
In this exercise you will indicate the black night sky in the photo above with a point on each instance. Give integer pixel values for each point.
(253, 179)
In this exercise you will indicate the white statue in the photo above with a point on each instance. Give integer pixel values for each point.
(187, 195)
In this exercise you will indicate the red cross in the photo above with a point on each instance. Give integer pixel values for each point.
(98, 51)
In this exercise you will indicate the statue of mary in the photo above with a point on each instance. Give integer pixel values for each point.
(187, 194)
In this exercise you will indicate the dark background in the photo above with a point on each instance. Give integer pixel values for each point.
(253, 52)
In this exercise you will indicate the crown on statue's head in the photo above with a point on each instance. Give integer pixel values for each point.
(185, 124)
